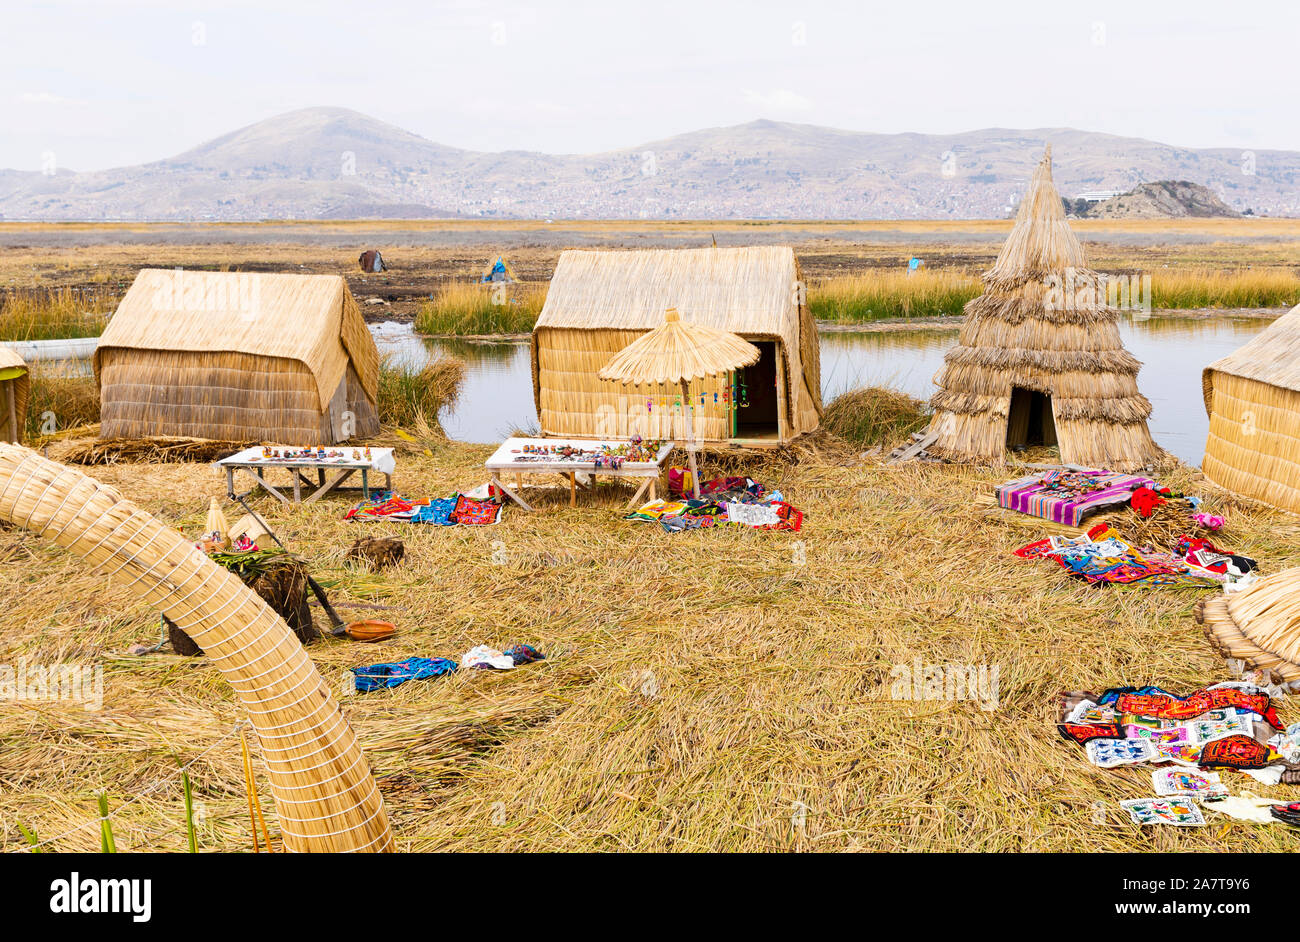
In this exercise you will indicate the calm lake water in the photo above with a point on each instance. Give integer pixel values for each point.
(498, 392)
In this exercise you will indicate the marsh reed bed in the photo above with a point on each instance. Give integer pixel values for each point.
(53, 314)
(470, 309)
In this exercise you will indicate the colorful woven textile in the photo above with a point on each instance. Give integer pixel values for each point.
(471, 513)
(1067, 497)
(438, 511)
(1154, 702)
(1102, 556)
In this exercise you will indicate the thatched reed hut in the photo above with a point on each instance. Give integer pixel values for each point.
(1040, 360)
(599, 302)
(15, 384)
(236, 357)
(1253, 398)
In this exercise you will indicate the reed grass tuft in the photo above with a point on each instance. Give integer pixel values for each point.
(468, 310)
(873, 415)
(855, 299)
(53, 314)
(411, 395)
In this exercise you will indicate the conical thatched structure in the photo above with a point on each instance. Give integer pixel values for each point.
(1259, 625)
(1040, 360)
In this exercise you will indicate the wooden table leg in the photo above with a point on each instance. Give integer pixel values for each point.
(297, 486)
(230, 483)
(267, 485)
(573, 488)
(511, 494)
(330, 485)
(632, 504)
(365, 483)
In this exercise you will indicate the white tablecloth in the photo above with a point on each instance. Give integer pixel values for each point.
(381, 460)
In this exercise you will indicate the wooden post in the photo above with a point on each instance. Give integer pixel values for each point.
(690, 438)
(782, 412)
(573, 488)
(13, 412)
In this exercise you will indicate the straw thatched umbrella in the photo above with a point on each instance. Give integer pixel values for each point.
(678, 352)
(1040, 359)
(1259, 625)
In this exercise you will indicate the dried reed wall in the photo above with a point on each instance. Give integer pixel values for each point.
(1253, 447)
(225, 396)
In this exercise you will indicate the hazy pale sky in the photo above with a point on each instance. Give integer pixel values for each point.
(115, 82)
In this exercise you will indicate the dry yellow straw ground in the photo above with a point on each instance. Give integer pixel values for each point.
(703, 691)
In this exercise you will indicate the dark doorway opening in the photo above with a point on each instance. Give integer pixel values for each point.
(1030, 421)
(757, 385)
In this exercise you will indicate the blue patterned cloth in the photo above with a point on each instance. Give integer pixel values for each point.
(438, 511)
(391, 675)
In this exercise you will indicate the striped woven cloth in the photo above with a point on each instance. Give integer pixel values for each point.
(1036, 495)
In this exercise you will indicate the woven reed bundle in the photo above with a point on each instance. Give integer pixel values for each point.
(1043, 325)
(1259, 625)
(324, 793)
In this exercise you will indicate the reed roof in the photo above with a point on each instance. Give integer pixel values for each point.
(311, 319)
(1272, 356)
(1041, 240)
(747, 290)
(675, 351)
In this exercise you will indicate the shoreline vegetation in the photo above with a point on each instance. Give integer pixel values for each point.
(410, 397)
(472, 310)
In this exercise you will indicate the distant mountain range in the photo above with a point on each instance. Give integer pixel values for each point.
(332, 163)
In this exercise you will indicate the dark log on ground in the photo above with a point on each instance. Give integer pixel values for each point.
(284, 588)
(377, 551)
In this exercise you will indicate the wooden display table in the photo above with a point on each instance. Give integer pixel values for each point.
(251, 460)
(503, 461)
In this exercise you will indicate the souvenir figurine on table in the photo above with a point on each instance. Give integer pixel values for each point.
(367, 452)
